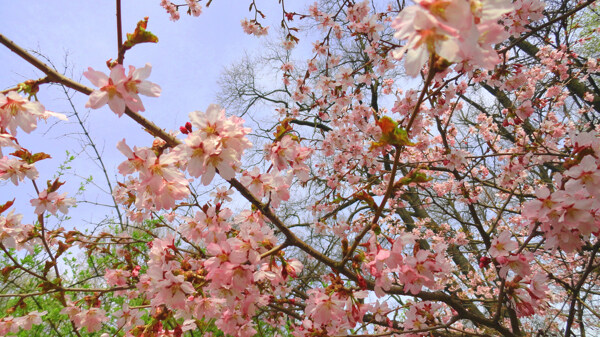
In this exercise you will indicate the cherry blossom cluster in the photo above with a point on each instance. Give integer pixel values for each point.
(171, 8)
(527, 295)
(413, 271)
(121, 91)
(194, 8)
(215, 144)
(52, 202)
(571, 211)
(362, 21)
(12, 325)
(159, 183)
(457, 30)
(252, 27)
(14, 234)
(17, 170)
(420, 316)
(287, 152)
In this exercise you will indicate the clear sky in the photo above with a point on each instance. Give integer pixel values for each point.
(186, 63)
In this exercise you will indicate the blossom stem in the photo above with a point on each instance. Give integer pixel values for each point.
(52, 74)
(430, 75)
(120, 50)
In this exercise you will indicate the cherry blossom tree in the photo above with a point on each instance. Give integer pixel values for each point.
(430, 169)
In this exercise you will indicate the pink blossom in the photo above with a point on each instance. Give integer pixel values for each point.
(194, 8)
(12, 232)
(425, 34)
(222, 194)
(117, 277)
(109, 91)
(255, 180)
(32, 318)
(217, 143)
(451, 29)
(91, 319)
(17, 111)
(171, 9)
(7, 140)
(502, 245)
(136, 83)
(172, 291)
(16, 170)
(8, 325)
(52, 202)
(418, 315)
(129, 317)
(519, 264)
(119, 90)
(254, 28)
(324, 309)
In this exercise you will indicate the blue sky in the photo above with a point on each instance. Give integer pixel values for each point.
(187, 61)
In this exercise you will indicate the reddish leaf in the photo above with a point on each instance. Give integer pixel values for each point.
(6, 205)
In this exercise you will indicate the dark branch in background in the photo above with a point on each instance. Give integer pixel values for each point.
(574, 85)
(313, 124)
(533, 30)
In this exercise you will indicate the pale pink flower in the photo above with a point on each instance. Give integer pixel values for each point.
(129, 317)
(116, 277)
(425, 34)
(194, 7)
(538, 285)
(456, 30)
(52, 202)
(217, 143)
(222, 194)
(136, 159)
(172, 291)
(7, 140)
(32, 318)
(324, 309)
(255, 180)
(17, 111)
(519, 264)
(254, 28)
(418, 314)
(72, 311)
(456, 159)
(121, 91)
(109, 91)
(502, 245)
(16, 170)
(136, 83)
(8, 325)
(171, 9)
(91, 319)
(11, 230)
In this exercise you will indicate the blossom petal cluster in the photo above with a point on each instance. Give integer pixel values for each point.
(12, 325)
(52, 202)
(216, 144)
(121, 91)
(17, 111)
(456, 30)
(159, 183)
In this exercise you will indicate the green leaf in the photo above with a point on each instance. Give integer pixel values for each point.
(140, 35)
(391, 133)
